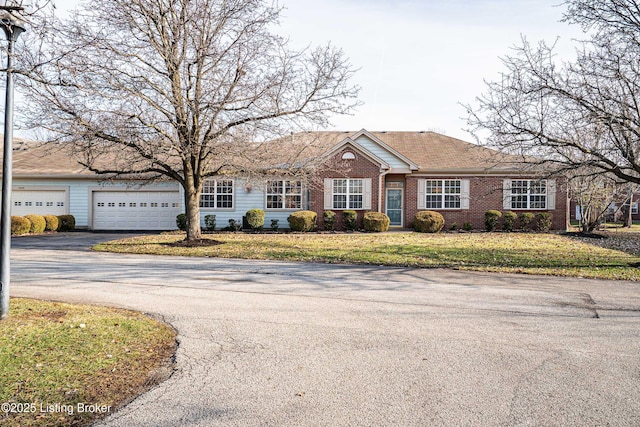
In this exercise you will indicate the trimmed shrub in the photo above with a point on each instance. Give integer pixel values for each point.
(350, 220)
(467, 226)
(66, 223)
(376, 222)
(525, 219)
(329, 220)
(491, 218)
(181, 222)
(509, 220)
(20, 225)
(255, 218)
(544, 221)
(38, 223)
(209, 222)
(428, 222)
(52, 223)
(302, 221)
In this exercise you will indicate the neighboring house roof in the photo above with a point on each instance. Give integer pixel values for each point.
(40, 159)
(422, 152)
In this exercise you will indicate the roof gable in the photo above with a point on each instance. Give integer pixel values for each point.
(383, 150)
(348, 142)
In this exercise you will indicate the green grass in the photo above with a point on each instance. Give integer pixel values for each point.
(55, 356)
(548, 254)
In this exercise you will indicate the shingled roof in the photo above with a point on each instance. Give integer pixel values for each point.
(31, 158)
(430, 151)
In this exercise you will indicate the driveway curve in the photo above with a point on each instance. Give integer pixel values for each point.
(291, 344)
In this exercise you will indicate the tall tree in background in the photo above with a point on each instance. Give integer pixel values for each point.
(181, 89)
(582, 116)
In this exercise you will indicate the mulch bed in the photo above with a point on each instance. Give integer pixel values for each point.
(198, 243)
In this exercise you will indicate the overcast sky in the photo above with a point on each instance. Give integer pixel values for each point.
(419, 59)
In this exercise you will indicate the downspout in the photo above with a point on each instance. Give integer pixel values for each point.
(382, 175)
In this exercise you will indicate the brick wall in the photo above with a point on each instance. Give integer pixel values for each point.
(360, 167)
(485, 193)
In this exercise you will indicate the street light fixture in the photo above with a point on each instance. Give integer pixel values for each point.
(13, 25)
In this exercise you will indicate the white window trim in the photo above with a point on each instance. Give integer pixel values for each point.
(283, 195)
(366, 194)
(549, 194)
(215, 196)
(464, 194)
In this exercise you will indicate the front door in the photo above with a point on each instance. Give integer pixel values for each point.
(394, 206)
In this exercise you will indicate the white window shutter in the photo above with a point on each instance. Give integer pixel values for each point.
(366, 196)
(328, 193)
(551, 194)
(422, 186)
(506, 194)
(464, 193)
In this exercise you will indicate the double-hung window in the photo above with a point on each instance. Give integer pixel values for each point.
(443, 193)
(348, 193)
(528, 194)
(284, 195)
(217, 194)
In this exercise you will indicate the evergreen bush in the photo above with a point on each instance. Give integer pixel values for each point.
(350, 220)
(544, 221)
(210, 222)
(181, 222)
(20, 225)
(66, 223)
(255, 218)
(38, 223)
(329, 220)
(509, 220)
(376, 222)
(491, 218)
(525, 219)
(302, 221)
(52, 223)
(428, 222)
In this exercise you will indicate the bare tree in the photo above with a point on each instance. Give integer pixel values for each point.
(180, 89)
(576, 115)
(593, 195)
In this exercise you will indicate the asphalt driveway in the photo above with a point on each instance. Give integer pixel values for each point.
(289, 344)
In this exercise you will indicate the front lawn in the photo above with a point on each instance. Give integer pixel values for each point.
(549, 254)
(67, 365)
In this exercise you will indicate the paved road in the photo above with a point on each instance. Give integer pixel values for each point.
(287, 344)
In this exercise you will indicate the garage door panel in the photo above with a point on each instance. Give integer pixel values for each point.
(144, 210)
(40, 202)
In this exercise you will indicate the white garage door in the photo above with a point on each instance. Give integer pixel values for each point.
(40, 202)
(135, 210)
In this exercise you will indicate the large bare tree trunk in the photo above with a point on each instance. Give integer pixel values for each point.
(192, 207)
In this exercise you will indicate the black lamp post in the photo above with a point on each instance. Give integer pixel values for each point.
(13, 26)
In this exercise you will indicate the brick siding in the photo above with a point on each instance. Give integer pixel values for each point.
(485, 193)
(360, 167)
